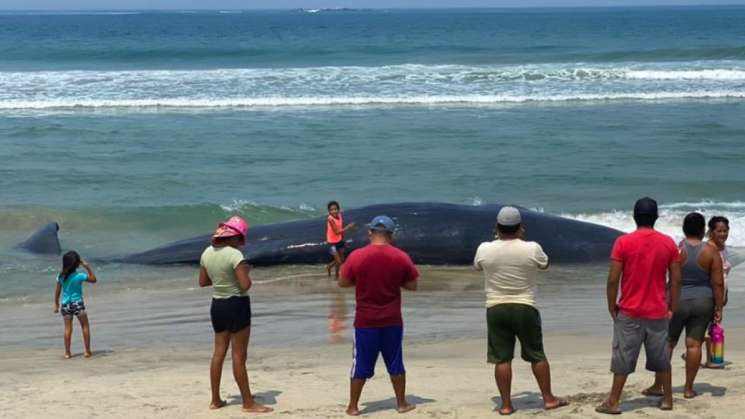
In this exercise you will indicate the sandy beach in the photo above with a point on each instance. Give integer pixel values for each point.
(446, 380)
(152, 349)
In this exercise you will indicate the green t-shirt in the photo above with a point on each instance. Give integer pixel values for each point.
(220, 263)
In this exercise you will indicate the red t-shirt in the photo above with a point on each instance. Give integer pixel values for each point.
(378, 272)
(646, 255)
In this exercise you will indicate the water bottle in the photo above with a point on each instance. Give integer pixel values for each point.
(716, 334)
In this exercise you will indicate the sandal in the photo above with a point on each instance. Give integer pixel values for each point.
(561, 403)
(605, 409)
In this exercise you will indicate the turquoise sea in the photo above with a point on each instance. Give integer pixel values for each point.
(133, 129)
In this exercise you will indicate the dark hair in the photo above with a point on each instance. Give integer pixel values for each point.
(70, 262)
(331, 204)
(713, 221)
(224, 241)
(645, 220)
(509, 230)
(694, 225)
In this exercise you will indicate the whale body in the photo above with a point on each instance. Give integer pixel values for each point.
(45, 241)
(431, 233)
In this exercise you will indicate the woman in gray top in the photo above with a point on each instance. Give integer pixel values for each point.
(701, 297)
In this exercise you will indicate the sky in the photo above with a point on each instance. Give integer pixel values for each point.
(284, 4)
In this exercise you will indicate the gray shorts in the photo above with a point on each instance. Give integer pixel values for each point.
(694, 315)
(629, 333)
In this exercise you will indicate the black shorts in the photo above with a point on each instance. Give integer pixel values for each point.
(230, 314)
(334, 248)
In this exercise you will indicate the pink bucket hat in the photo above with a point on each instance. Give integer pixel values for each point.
(235, 226)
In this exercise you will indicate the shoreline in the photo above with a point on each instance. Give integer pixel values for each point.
(300, 306)
(311, 382)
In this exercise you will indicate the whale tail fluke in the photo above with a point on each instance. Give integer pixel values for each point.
(44, 241)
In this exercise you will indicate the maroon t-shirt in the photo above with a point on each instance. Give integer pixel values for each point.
(378, 271)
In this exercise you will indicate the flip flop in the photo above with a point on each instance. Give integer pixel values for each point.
(561, 403)
(650, 393)
(605, 409)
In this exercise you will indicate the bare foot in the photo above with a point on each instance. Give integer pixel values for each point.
(218, 404)
(88, 354)
(506, 411)
(713, 366)
(665, 406)
(405, 408)
(689, 394)
(353, 411)
(256, 408)
(68, 355)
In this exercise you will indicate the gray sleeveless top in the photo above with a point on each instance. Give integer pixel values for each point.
(696, 282)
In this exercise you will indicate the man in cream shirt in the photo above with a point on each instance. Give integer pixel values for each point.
(510, 265)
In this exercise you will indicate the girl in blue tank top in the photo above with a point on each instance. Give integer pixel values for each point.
(70, 288)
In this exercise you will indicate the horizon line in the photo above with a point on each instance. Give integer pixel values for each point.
(185, 9)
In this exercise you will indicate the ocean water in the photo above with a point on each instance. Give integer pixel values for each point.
(133, 129)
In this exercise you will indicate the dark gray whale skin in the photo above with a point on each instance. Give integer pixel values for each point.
(45, 241)
(431, 233)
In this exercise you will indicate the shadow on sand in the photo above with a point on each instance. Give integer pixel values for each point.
(264, 397)
(390, 403)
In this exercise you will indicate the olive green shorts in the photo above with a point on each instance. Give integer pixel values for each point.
(505, 323)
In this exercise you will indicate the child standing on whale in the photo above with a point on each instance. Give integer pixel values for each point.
(70, 286)
(335, 229)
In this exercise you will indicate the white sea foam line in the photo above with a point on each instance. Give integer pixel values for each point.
(705, 204)
(360, 101)
(284, 278)
(671, 220)
(659, 71)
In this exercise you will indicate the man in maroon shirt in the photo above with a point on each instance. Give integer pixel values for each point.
(378, 271)
(640, 262)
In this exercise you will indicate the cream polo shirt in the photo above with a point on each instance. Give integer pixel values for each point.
(510, 268)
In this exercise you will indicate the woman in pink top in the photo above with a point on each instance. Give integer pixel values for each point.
(335, 229)
(718, 234)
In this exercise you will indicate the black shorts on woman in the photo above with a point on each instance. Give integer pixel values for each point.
(231, 314)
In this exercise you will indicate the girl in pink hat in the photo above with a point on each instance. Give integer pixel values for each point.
(223, 267)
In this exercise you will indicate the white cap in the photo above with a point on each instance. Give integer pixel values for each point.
(508, 216)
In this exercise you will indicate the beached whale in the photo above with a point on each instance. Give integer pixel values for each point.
(432, 233)
(45, 241)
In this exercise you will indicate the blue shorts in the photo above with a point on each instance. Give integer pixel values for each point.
(369, 342)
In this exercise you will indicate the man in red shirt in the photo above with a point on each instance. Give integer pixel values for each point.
(379, 271)
(640, 262)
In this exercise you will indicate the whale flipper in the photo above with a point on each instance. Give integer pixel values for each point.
(44, 241)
